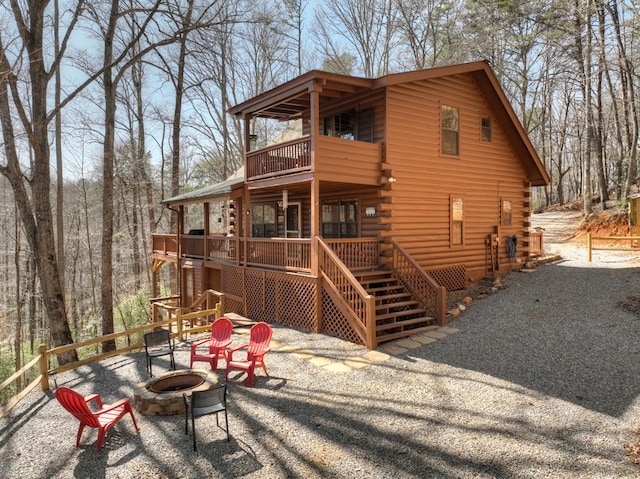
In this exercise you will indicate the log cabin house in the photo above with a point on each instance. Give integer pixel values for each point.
(395, 191)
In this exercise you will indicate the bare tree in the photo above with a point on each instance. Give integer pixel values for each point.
(31, 188)
(367, 28)
(429, 31)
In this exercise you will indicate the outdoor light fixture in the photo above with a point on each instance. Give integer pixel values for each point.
(387, 179)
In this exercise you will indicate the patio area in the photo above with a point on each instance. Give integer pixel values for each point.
(534, 381)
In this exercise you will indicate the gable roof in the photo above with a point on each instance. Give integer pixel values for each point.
(289, 100)
(488, 84)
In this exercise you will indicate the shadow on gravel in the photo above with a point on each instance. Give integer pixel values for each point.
(560, 331)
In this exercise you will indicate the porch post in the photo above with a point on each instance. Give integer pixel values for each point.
(179, 253)
(207, 232)
(246, 214)
(315, 184)
(246, 202)
(314, 131)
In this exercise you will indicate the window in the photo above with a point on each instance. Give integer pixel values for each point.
(505, 213)
(449, 119)
(263, 221)
(351, 125)
(457, 221)
(342, 125)
(340, 219)
(486, 128)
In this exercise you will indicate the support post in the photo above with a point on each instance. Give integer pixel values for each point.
(44, 368)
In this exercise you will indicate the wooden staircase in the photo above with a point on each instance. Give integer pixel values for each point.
(398, 314)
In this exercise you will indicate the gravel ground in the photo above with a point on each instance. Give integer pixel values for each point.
(540, 380)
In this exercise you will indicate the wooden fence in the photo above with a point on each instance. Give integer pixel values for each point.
(44, 355)
(619, 244)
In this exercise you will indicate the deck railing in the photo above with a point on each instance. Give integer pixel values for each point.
(345, 289)
(289, 254)
(284, 158)
(431, 296)
(356, 253)
(165, 243)
(223, 248)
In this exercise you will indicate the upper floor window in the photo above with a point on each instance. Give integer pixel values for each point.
(340, 219)
(351, 125)
(263, 221)
(450, 124)
(486, 128)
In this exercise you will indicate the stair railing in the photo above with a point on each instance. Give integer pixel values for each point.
(352, 299)
(207, 308)
(432, 296)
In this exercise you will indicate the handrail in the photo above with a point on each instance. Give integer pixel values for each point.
(634, 244)
(288, 254)
(206, 296)
(432, 296)
(358, 305)
(282, 158)
(356, 252)
(157, 304)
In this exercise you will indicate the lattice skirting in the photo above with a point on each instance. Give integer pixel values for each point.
(334, 323)
(451, 277)
(273, 296)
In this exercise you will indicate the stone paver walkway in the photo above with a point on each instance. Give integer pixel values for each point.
(380, 355)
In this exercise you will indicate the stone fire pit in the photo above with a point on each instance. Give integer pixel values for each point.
(162, 396)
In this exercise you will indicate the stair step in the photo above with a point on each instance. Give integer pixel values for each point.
(397, 304)
(372, 272)
(386, 297)
(402, 334)
(379, 289)
(378, 283)
(407, 322)
(399, 314)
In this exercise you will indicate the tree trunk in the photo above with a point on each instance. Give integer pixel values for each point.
(36, 217)
(107, 181)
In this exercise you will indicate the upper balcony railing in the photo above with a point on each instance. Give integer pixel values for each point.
(284, 158)
(334, 158)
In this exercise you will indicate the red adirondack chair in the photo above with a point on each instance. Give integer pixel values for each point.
(221, 330)
(102, 419)
(258, 346)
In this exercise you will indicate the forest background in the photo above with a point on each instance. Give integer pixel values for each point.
(107, 107)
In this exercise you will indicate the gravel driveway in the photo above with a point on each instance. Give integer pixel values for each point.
(538, 380)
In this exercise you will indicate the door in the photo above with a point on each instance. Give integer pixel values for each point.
(293, 229)
(293, 221)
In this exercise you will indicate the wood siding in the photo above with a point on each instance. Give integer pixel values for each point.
(362, 161)
(483, 174)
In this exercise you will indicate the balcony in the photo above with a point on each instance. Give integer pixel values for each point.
(337, 159)
(282, 159)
